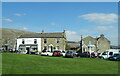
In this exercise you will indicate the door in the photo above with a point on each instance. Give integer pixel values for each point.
(51, 48)
(28, 50)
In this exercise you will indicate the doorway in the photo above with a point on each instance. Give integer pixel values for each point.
(28, 50)
(51, 48)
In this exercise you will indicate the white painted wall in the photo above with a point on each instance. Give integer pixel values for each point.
(29, 41)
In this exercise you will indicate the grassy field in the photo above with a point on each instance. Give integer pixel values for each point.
(36, 64)
(0, 64)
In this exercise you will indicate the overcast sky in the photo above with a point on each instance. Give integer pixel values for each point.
(77, 18)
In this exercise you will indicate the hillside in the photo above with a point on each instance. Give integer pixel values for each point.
(10, 34)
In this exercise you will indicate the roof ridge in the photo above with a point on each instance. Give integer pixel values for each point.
(52, 32)
(43, 35)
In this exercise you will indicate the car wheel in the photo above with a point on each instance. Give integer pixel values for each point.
(118, 59)
(102, 57)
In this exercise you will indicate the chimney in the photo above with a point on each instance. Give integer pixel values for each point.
(102, 35)
(64, 31)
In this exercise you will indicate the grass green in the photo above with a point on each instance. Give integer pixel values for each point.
(13, 63)
(0, 63)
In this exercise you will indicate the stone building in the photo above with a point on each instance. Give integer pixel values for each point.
(41, 41)
(99, 44)
(73, 45)
(53, 41)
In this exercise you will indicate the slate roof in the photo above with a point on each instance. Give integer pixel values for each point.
(43, 35)
(114, 47)
(88, 37)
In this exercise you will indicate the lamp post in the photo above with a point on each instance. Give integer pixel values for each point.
(80, 50)
(81, 43)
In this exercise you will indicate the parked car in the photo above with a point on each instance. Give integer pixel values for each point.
(57, 53)
(85, 54)
(75, 54)
(46, 53)
(63, 53)
(106, 54)
(94, 55)
(115, 57)
(70, 54)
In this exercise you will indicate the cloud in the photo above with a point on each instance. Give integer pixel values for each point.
(54, 24)
(103, 28)
(8, 20)
(24, 28)
(97, 30)
(18, 14)
(101, 18)
(72, 36)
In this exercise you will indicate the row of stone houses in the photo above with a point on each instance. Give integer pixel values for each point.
(37, 42)
(90, 44)
(41, 41)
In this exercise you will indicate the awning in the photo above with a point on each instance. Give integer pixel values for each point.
(21, 46)
(91, 45)
(28, 44)
(33, 46)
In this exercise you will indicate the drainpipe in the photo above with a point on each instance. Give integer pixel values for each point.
(81, 45)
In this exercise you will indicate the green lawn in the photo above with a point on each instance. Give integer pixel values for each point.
(0, 63)
(36, 64)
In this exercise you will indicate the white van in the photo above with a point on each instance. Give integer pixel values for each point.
(106, 54)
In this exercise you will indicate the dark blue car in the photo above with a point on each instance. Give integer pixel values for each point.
(115, 57)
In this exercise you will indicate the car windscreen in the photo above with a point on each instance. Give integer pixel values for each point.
(69, 52)
(105, 53)
(116, 54)
(44, 51)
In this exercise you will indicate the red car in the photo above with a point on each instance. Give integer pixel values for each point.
(94, 55)
(57, 53)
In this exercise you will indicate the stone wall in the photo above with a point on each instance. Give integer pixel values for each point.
(53, 41)
(103, 44)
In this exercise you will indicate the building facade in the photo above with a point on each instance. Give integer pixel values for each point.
(73, 45)
(41, 41)
(29, 44)
(99, 44)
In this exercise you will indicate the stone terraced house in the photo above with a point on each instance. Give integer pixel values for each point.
(99, 44)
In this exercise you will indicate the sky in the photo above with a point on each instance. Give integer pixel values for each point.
(77, 18)
(60, 0)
